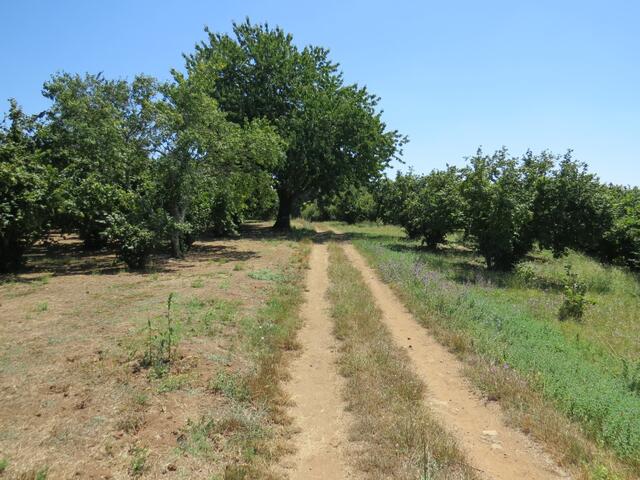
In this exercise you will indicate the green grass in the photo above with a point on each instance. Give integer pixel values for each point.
(265, 275)
(171, 383)
(510, 320)
(4, 463)
(230, 385)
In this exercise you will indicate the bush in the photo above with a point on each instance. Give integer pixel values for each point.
(137, 232)
(622, 242)
(355, 204)
(134, 242)
(572, 209)
(575, 297)
(311, 212)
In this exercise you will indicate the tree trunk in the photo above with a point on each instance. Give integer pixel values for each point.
(285, 204)
(177, 240)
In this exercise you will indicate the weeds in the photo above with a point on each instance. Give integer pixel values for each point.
(171, 383)
(138, 463)
(4, 463)
(197, 283)
(161, 343)
(631, 376)
(232, 386)
(42, 474)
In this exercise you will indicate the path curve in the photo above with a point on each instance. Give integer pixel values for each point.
(316, 386)
(497, 451)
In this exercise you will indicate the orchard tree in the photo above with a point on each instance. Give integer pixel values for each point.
(203, 157)
(352, 205)
(572, 209)
(96, 135)
(436, 209)
(498, 208)
(333, 132)
(622, 241)
(393, 196)
(26, 198)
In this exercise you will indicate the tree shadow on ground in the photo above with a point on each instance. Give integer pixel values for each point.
(66, 255)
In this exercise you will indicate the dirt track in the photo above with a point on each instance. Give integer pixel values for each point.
(494, 449)
(315, 387)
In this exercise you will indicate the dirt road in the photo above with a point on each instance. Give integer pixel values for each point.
(315, 387)
(494, 449)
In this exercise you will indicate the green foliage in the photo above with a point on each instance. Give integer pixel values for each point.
(266, 275)
(42, 474)
(393, 196)
(571, 209)
(355, 204)
(333, 133)
(4, 463)
(435, 209)
(575, 297)
(137, 232)
(26, 200)
(208, 166)
(311, 212)
(622, 241)
(498, 208)
(230, 385)
(96, 134)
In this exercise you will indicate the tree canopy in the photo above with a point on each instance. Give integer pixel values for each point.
(333, 132)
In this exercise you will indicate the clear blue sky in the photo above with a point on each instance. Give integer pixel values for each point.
(452, 75)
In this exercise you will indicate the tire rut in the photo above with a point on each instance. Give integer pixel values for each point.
(316, 386)
(496, 450)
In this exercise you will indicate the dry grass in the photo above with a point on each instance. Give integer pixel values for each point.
(394, 433)
(75, 399)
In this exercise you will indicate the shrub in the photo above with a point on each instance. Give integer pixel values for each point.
(311, 212)
(355, 204)
(137, 232)
(575, 297)
(571, 209)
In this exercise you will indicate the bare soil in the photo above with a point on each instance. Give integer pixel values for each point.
(74, 401)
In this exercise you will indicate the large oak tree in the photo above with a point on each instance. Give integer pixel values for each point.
(333, 131)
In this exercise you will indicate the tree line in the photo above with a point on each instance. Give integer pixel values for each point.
(505, 206)
(253, 123)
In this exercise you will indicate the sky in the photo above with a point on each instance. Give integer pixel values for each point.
(452, 75)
